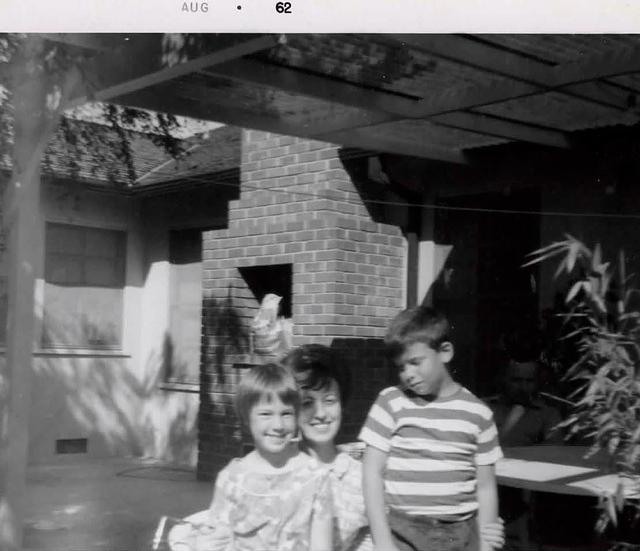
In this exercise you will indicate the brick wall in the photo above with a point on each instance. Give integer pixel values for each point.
(348, 276)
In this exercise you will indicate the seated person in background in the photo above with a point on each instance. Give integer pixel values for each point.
(522, 416)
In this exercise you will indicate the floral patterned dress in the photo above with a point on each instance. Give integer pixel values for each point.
(351, 527)
(255, 511)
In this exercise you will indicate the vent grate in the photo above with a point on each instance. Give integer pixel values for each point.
(71, 445)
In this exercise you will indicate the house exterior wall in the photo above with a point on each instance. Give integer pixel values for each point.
(118, 399)
(348, 277)
(85, 393)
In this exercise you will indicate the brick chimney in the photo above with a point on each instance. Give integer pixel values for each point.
(299, 227)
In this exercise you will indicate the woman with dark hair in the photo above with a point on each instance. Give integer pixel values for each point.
(325, 386)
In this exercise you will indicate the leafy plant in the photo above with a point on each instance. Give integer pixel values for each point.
(602, 321)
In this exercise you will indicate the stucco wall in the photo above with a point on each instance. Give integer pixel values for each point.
(117, 400)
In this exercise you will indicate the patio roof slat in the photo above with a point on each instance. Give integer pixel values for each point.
(480, 56)
(141, 65)
(496, 60)
(504, 128)
(610, 64)
(562, 75)
(192, 107)
(319, 86)
(296, 81)
(380, 142)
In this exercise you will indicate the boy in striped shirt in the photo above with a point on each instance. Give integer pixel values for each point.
(428, 476)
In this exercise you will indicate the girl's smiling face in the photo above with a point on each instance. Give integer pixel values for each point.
(272, 424)
(320, 414)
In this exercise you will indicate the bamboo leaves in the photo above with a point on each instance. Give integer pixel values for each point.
(605, 329)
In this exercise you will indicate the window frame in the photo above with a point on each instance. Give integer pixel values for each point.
(86, 348)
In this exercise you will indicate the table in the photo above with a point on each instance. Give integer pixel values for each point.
(561, 470)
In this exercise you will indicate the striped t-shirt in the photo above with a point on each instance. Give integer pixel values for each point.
(433, 450)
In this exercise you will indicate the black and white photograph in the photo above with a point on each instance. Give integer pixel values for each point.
(319, 291)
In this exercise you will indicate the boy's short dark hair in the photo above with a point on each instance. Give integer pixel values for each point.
(315, 365)
(265, 381)
(419, 324)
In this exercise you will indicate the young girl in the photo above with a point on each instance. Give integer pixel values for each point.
(276, 498)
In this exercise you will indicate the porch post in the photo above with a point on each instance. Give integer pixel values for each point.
(426, 254)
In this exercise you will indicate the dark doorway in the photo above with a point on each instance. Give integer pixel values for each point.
(483, 287)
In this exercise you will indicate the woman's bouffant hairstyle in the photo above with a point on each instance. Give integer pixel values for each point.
(420, 324)
(265, 382)
(314, 366)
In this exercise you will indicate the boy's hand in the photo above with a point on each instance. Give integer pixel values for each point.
(492, 534)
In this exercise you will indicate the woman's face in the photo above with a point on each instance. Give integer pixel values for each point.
(320, 414)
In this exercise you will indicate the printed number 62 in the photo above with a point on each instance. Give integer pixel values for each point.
(283, 7)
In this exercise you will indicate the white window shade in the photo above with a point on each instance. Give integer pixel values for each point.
(84, 287)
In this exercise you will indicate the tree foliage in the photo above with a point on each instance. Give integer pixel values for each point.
(603, 321)
(62, 69)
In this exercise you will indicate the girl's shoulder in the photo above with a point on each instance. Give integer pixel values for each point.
(230, 470)
(307, 472)
(301, 465)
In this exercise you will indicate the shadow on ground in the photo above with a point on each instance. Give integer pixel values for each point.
(106, 505)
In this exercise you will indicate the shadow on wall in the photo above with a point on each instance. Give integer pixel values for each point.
(369, 371)
(373, 192)
(119, 408)
(225, 342)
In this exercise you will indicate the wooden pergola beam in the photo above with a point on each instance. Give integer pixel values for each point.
(474, 54)
(196, 106)
(601, 66)
(486, 124)
(144, 63)
(507, 64)
(300, 82)
(199, 109)
(384, 106)
(364, 138)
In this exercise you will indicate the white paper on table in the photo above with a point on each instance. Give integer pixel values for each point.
(607, 484)
(537, 471)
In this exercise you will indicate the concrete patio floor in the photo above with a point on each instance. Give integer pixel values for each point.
(106, 505)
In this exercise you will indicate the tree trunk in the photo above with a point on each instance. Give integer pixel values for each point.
(33, 125)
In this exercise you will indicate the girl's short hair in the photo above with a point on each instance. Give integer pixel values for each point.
(265, 381)
(315, 366)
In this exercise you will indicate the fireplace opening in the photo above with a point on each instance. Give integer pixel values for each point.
(276, 278)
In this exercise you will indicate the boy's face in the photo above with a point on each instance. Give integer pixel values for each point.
(423, 369)
(272, 425)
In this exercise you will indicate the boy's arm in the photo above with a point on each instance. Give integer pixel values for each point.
(373, 487)
(321, 532)
(487, 500)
